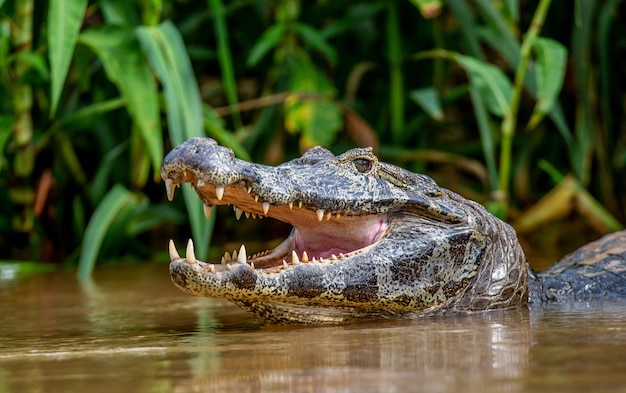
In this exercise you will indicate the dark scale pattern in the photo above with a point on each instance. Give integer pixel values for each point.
(440, 253)
(597, 270)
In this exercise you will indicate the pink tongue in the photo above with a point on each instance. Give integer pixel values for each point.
(323, 242)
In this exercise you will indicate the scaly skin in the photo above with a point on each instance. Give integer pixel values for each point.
(370, 240)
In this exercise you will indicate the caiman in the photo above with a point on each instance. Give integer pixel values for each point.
(370, 240)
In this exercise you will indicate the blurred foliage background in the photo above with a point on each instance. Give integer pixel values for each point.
(517, 104)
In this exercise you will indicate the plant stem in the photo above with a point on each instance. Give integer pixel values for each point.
(510, 117)
(225, 57)
(23, 125)
(396, 98)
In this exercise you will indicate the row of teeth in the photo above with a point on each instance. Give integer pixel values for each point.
(170, 188)
(241, 257)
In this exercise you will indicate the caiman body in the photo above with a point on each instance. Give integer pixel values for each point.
(370, 240)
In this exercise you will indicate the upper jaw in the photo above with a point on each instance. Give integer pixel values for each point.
(319, 236)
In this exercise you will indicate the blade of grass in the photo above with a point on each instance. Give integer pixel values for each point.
(115, 200)
(607, 71)
(225, 58)
(582, 49)
(316, 40)
(64, 21)
(396, 77)
(509, 121)
(469, 30)
(268, 40)
(465, 17)
(118, 49)
(496, 22)
(486, 138)
(489, 90)
(166, 52)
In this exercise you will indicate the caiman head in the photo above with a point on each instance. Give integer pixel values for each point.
(369, 239)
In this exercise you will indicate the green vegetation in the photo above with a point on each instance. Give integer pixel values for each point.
(527, 98)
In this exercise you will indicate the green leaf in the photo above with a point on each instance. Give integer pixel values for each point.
(116, 199)
(270, 38)
(64, 21)
(317, 119)
(118, 49)
(119, 12)
(493, 85)
(316, 40)
(551, 63)
(166, 52)
(152, 217)
(37, 67)
(91, 111)
(428, 100)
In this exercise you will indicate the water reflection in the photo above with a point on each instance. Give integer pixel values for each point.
(433, 354)
(133, 331)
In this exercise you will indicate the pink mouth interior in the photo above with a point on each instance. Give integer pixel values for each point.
(323, 241)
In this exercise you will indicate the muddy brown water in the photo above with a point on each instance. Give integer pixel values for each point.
(130, 330)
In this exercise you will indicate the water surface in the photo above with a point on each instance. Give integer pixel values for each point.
(132, 331)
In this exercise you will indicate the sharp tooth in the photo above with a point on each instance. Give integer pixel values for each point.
(219, 192)
(333, 257)
(223, 260)
(173, 253)
(294, 257)
(238, 213)
(247, 214)
(235, 255)
(191, 255)
(228, 267)
(320, 214)
(299, 203)
(290, 205)
(256, 198)
(252, 264)
(169, 189)
(314, 260)
(328, 216)
(227, 256)
(305, 257)
(249, 189)
(285, 265)
(266, 207)
(207, 210)
(241, 258)
(212, 269)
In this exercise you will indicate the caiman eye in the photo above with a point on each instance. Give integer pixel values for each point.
(362, 165)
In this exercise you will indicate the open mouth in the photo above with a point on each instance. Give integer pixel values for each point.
(318, 235)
